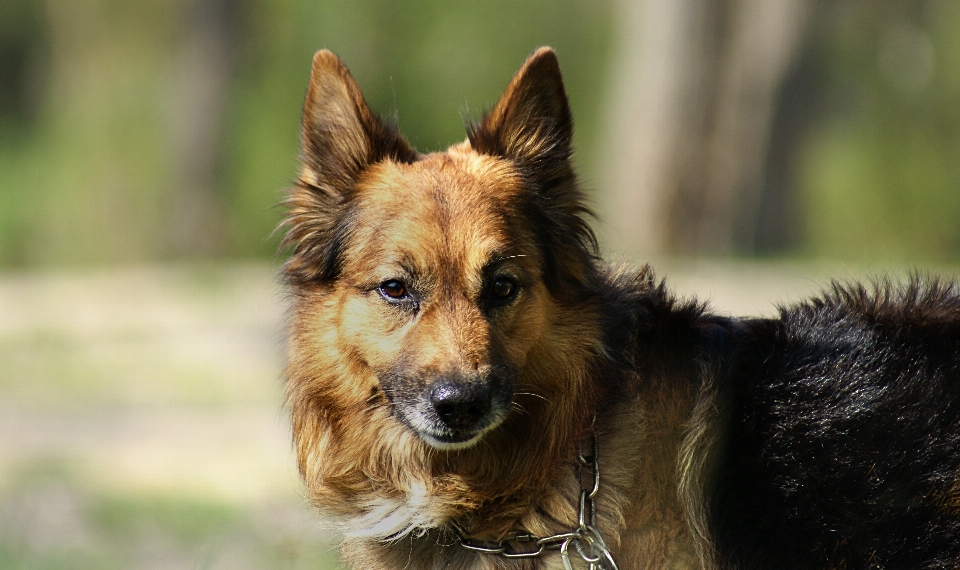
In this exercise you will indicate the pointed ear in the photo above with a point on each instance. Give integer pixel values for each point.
(340, 136)
(531, 124)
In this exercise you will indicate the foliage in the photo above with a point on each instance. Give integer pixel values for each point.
(879, 166)
(96, 175)
(98, 99)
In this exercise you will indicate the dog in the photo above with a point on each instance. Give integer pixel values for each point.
(471, 387)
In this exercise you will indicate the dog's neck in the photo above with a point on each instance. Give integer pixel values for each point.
(583, 540)
(629, 479)
(638, 509)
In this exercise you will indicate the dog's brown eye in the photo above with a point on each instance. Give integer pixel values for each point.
(504, 288)
(393, 289)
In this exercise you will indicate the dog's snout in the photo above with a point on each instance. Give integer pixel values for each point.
(460, 405)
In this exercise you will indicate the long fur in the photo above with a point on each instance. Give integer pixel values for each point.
(828, 437)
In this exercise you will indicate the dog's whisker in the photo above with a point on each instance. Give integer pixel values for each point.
(506, 257)
(486, 444)
(535, 395)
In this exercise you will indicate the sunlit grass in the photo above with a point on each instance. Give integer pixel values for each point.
(141, 423)
(55, 522)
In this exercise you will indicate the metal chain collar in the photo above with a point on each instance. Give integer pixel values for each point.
(584, 540)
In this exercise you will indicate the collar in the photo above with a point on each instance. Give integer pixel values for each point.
(584, 540)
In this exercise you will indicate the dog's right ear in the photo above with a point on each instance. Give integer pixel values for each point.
(340, 137)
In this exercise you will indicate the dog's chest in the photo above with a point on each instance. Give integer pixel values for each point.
(386, 517)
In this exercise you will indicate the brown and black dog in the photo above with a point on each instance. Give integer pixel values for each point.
(472, 388)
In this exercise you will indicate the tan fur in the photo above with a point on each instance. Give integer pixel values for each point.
(441, 221)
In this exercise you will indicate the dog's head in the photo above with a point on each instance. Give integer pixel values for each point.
(435, 294)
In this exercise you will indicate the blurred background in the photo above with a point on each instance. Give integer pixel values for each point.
(750, 148)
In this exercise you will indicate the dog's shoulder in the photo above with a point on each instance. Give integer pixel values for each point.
(649, 331)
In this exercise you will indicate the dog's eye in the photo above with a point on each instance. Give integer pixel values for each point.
(393, 290)
(504, 288)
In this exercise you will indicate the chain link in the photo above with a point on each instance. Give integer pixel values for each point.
(585, 539)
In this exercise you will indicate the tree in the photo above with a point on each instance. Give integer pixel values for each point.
(695, 88)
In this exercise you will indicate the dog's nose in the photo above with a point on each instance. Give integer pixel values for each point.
(460, 405)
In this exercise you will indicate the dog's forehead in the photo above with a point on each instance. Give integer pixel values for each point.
(447, 207)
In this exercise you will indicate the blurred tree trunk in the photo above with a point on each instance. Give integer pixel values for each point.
(199, 113)
(695, 86)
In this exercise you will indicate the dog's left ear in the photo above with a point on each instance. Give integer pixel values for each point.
(531, 126)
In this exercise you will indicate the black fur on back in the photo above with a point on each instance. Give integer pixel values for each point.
(841, 446)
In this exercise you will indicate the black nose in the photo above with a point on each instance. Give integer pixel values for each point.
(460, 405)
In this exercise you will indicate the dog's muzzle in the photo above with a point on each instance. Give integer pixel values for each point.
(453, 411)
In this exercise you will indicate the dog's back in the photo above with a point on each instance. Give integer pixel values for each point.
(842, 439)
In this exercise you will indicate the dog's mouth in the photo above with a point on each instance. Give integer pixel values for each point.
(455, 413)
(452, 440)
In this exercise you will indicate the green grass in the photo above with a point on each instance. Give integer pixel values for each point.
(141, 425)
(51, 518)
